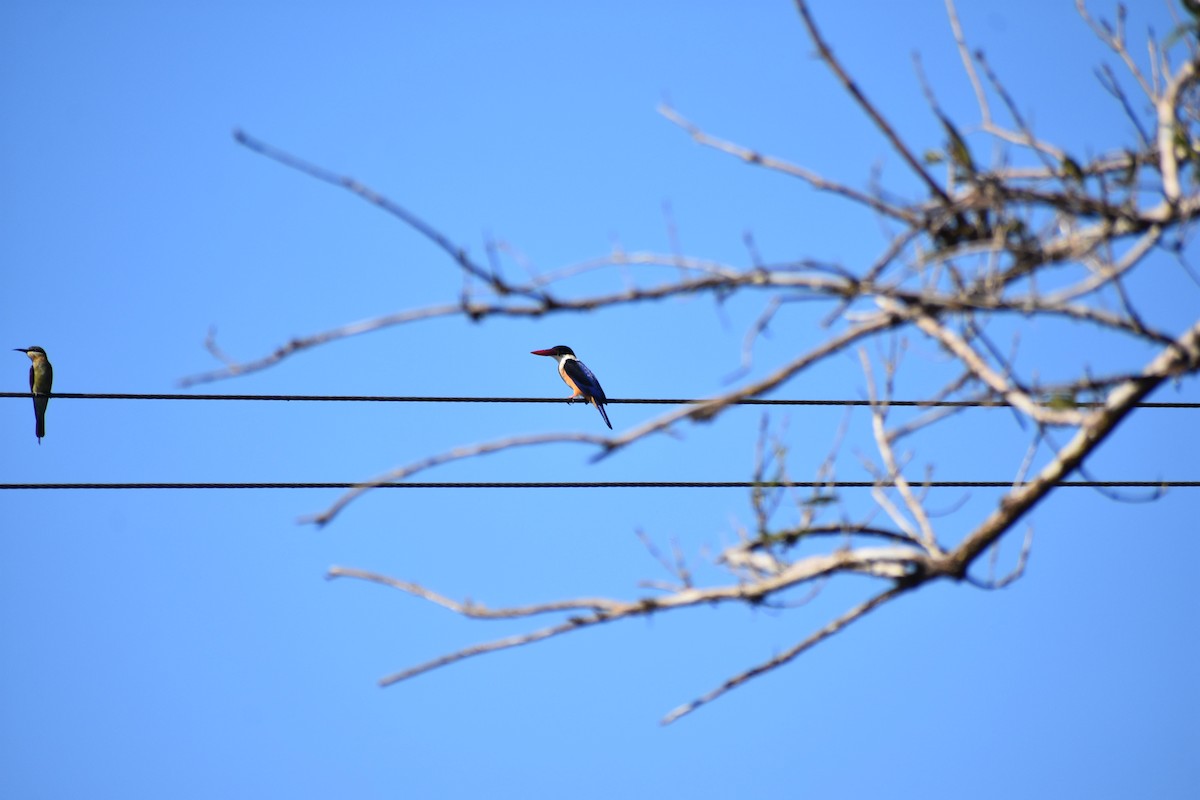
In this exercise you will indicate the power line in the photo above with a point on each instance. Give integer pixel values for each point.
(663, 401)
(600, 485)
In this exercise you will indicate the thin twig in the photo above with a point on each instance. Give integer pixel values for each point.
(881, 123)
(853, 615)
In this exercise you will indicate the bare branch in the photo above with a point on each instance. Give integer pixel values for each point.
(924, 531)
(1116, 42)
(1183, 357)
(790, 536)
(787, 168)
(1169, 130)
(881, 123)
(457, 454)
(708, 410)
(1024, 135)
(854, 614)
(235, 368)
(1035, 235)
(985, 111)
(508, 642)
(979, 368)
(474, 610)
(677, 567)
(896, 563)
(455, 252)
(1017, 572)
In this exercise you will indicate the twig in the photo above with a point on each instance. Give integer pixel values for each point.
(881, 123)
(924, 531)
(854, 614)
(973, 362)
(458, 254)
(985, 111)
(457, 454)
(787, 168)
(1017, 571)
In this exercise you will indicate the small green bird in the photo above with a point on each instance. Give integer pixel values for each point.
(41, 375)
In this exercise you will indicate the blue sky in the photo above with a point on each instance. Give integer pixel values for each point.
(185, 644)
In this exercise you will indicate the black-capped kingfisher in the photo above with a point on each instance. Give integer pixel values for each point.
(581, 380)
(41, 375)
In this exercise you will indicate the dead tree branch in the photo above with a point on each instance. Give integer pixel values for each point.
(1034, 235)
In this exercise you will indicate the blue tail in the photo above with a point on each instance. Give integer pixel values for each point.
(600, 408)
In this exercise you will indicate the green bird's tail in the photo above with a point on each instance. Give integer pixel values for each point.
(40, 402)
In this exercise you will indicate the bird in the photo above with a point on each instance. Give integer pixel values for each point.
(581, 380)
(41, 375)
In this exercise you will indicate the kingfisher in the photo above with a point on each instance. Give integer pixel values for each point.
(41, 375)
(581, 380)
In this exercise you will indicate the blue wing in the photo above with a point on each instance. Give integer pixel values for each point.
(584, 379)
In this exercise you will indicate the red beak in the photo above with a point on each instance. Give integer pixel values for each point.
(542, 352)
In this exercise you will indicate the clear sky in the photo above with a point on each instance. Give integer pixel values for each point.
(185, 644)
